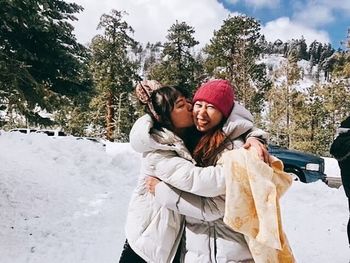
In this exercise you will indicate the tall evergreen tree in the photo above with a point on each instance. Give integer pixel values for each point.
(339, 65)
(113, 72)
(284, 101)
(330, 105)
(40, 59)
(232, 54)
(178, 64)
(152, 57)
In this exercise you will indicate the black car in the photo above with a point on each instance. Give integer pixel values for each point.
(308, 167)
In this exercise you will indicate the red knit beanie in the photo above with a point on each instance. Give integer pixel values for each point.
(218, 92)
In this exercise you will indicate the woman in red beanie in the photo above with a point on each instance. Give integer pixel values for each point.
(222, 125)
(213, 103)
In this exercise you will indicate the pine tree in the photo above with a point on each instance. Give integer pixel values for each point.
(152, 57)
(113, 72)
(303, 54)
(232, 54)
(40, 59)
(340, 65)
(332, 105)
(178, 65)
(282, 101)
(275, 124)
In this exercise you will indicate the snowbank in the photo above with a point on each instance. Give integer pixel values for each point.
(65, 200)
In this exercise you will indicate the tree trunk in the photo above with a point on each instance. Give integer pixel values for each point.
(110, 117)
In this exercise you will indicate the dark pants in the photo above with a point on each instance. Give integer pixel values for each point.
(345, 177)
(349, 224)
(129, 256)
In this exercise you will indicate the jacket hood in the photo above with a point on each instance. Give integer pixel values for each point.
(141, 139)
(239, 122)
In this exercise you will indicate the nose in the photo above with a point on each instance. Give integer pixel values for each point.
(201, 112)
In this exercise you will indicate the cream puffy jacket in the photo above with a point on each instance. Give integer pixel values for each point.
(153, 231)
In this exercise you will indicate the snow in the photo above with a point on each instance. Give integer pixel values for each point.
(65, 200)
(275, 62)
(331, 167)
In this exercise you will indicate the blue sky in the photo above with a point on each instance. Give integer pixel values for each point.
(321, 20)
(331, 16)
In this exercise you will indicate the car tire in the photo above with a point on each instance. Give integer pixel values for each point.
(294, 176)
(297, 172)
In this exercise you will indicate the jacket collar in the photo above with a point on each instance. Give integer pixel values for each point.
(239, 122)
(143, 138)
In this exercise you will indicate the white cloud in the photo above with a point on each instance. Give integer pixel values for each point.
(263, 3)
(256, 3)
(283, 28)
(231, 1)
(152, 18)
(339, 5)
(314, 15)
(321, 12)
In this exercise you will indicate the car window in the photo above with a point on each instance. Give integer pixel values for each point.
(60, 133)
(48, 133)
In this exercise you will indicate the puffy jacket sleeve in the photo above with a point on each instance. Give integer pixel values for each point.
(184, 175)
(259, 134)
(240, 123)
(207, 209)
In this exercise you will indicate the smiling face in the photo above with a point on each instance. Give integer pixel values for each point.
(206, 116)
(181, 115)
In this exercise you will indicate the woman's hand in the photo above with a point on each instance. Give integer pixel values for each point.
(151, 183)
(260, 147)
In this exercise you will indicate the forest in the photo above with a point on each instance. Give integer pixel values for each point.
(48, 79)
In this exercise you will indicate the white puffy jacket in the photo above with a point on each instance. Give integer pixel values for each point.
(208, 238)
(152, 230)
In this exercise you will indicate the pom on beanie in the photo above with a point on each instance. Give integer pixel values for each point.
(144, 90)
(218, 92)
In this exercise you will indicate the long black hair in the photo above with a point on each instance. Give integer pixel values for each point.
(163, 101)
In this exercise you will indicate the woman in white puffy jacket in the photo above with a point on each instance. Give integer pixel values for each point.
(153, 232)
(208, 239)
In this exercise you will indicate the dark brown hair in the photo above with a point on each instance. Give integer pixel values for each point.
(210, 145)
(163, 101)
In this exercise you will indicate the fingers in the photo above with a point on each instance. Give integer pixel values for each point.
(260, 148)
(246, 145)
(266, 156)
(263, 154)
(151, 183)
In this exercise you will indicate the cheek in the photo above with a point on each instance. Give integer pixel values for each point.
(215, 117)
(195, 113)
(181, 118)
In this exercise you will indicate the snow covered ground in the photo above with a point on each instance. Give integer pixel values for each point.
(63, 200)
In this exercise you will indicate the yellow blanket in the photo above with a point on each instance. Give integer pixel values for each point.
(253, 189)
